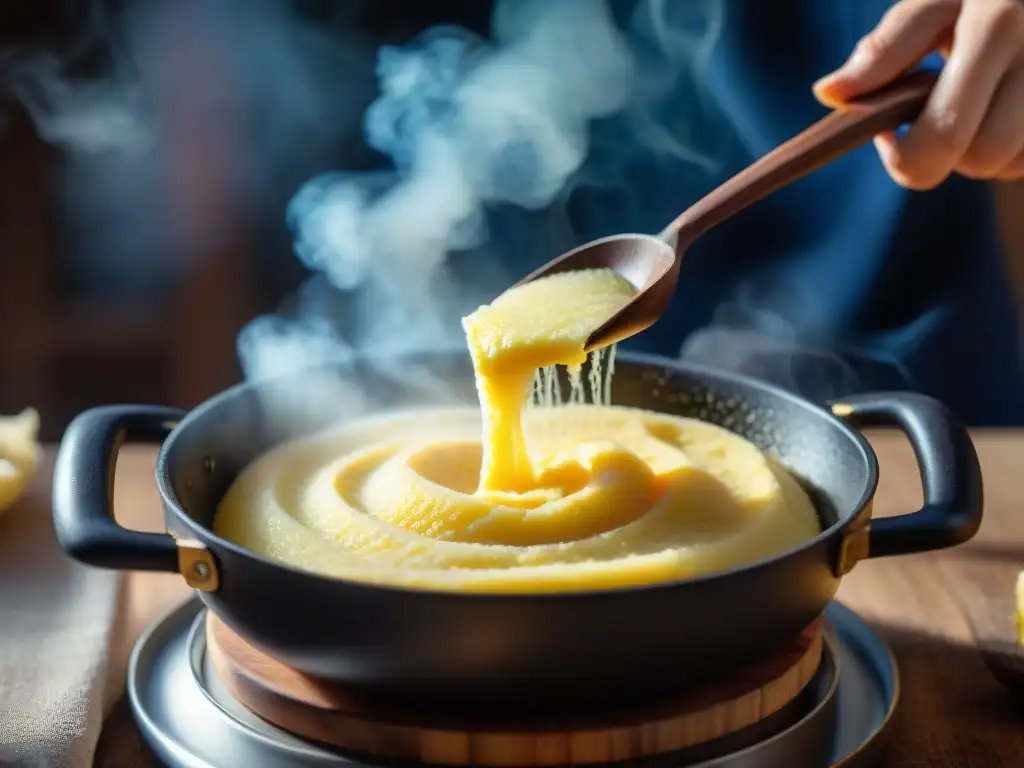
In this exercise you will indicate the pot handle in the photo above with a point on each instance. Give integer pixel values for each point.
(948, 462)
(83, 488)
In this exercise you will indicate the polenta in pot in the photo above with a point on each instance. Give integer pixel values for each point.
(525, 495)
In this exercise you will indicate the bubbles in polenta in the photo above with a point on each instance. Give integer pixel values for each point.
(568, 493)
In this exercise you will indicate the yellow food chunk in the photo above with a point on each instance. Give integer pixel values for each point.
(1020, 606)
(546, 321)
(19, 454)
(534, 325)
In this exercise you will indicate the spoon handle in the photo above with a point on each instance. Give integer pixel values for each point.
(845, 129)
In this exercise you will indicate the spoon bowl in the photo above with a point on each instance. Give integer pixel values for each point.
(651, 264)
(648, 263)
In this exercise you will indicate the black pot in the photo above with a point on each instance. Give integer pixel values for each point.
(548, 648)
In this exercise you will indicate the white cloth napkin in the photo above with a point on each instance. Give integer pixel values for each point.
(57, 621)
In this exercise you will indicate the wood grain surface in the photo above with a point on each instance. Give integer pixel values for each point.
(332, 715)
(931, 609)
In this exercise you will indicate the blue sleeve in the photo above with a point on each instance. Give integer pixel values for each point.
(933, 62)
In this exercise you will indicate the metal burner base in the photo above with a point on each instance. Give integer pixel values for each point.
(190, 720)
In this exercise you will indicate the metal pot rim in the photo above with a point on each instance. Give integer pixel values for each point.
(844, 517)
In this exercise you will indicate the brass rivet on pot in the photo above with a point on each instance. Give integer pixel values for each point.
(856, 543)
(855, 547)
(842, 410)
(197, 566)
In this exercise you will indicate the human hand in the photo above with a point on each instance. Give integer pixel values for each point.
(973, 123)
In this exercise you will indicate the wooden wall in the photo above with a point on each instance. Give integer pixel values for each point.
(63, 353)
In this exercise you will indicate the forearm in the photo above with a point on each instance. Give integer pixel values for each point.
(1010, 210)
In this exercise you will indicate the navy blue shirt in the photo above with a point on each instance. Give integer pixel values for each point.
(843, 282)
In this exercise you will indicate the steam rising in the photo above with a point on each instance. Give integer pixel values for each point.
(178, 120)
(487, 143)
(96, 114)
(467, 124)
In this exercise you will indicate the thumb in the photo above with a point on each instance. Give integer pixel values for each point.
(908, 32)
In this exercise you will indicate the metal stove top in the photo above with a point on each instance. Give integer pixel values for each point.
(191, 721)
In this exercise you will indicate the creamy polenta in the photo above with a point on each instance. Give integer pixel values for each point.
(514, 499)
(19, 454)
(536, 325)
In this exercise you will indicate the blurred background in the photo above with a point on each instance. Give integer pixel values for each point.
(130, 258)
(140, 230)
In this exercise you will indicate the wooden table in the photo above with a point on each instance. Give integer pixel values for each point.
(928, 607)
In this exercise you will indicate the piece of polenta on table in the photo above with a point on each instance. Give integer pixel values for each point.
(19, 454)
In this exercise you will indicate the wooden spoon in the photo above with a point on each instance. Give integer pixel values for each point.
(651, 264)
